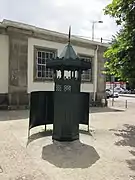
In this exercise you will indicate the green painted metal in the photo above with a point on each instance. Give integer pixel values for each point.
(41, 108)
(68, 53)
(66, 107)
(68, 60)
(68, 100)
(69, 112)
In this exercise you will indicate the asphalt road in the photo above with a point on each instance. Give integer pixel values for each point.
(123, 102)
(129, 99)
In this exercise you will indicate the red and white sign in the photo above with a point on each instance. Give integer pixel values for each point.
(109, 85)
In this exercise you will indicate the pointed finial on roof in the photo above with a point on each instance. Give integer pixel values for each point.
(69, 35)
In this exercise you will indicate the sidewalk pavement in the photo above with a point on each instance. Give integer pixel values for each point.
(107, 153)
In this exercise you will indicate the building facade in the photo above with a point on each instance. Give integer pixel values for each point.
(23, 53)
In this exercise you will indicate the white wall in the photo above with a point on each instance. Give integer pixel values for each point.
(4, 57)
(86, 87)
(44, 86)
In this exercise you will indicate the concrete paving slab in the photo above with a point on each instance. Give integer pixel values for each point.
(107, 153)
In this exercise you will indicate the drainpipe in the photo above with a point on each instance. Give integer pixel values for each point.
(95, 71)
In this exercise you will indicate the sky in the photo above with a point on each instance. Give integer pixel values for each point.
(58, 15)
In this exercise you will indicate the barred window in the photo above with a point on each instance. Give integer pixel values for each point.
(87, 75)
(41, 56)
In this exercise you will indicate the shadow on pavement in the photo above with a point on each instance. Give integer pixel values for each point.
(128, 139)
(132, 177)
(85, 132)
(131, 162)
(104, 109)
(70, 154)
(127, 134)
(132, 152)
(39, 135)
(49, 132)
(14, 115)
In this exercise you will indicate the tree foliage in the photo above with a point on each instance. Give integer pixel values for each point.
(121, 53)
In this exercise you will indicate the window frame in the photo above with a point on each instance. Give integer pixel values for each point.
(36, 49)
(80, 55)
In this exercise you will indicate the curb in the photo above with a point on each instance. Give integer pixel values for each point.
(131, 96)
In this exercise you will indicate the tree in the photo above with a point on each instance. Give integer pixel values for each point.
(121, 53)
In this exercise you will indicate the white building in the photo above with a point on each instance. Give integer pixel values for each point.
(23, 53)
